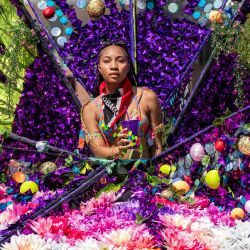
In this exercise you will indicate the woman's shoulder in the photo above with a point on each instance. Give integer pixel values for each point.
(92, 105)
(146, 93)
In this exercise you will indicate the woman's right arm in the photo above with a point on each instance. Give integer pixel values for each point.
(95, 138)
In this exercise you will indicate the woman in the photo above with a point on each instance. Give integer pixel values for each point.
(119, 100)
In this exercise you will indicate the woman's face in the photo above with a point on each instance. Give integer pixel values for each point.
(113, 64)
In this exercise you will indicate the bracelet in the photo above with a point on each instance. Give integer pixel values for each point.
(90, 136)
(158, 128)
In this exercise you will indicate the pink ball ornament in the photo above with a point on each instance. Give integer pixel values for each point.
(247, 206)
(197, 152)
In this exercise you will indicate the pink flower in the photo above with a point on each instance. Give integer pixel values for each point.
(131, 238)
(103, 201)
(42, 226)
(177, 220)
(176, 239)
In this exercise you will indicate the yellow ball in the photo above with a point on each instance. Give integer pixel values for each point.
(212, 179)
(181, 187)
(165, 169)
(215, 16)
(29, 185)
(237, 213)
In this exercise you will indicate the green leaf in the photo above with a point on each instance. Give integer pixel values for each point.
(228, 112)
(218, 121)
(205, 160)
(110, 188)
(153, 180)
(76, 151)
(139, 219)
(69, 160)
(3, 177)
(166, 181)
(151, 169)
(5, 134)
(247, 126)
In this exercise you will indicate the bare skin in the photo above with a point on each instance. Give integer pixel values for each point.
(114, 67)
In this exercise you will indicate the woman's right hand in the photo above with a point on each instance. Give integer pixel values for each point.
(122, 143)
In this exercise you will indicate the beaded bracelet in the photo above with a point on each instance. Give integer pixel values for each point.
(158, 128)
(90, 136)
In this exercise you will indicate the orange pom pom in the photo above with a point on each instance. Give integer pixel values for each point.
(19, 177)
(237, 213)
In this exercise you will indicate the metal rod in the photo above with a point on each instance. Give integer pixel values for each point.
(52, 148)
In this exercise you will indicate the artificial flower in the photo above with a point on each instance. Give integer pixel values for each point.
(26, 242)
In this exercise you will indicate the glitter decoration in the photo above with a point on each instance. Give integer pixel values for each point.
(173, 7)
(56, 31)
(68, 31)
(63, 20)
(61, 40)
(50, 3)
(202, 21)
(202, 3)
(95, 8)
(196, 14)
(208, 7)
(141, 4)
(217, 4)
(41, 5)
(53, 19)
(81, 4)
(59, 13)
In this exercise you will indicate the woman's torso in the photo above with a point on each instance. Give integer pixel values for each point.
(137, 110)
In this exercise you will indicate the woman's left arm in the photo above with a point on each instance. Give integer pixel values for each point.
(155, 116)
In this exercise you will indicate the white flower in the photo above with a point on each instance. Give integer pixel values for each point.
(119, 237)
(202, 225)
(58, 246)
(232, 238)
(90, 244)
(26, 242)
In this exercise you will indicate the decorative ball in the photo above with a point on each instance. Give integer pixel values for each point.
(19, 177)
(237, 213)
(48, 12)
(247, 206)
(215, 16)
(47, 167)
(29, 185)
(244, 145)
(167, 194)
(14, 163)
(181, 187)
(95, 8)
(220, 145)
(197, 152)
(165, 169)
(212, 179)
